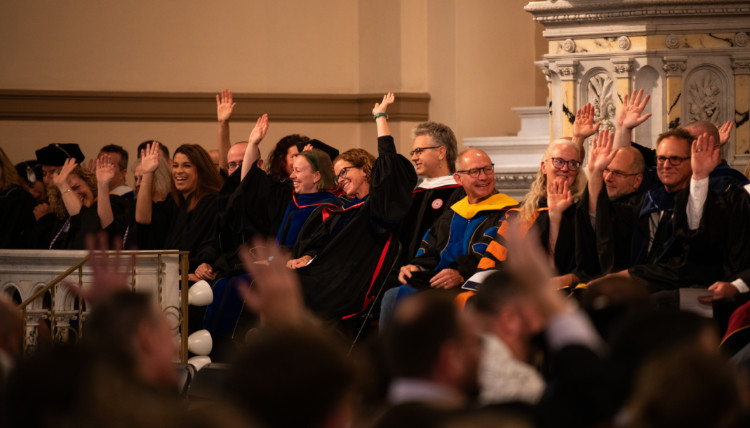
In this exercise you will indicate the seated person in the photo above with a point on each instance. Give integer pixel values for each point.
(186, 219)
(549, 206)
(434, 156)
(82, 205)
(16, 206)
(340, 254)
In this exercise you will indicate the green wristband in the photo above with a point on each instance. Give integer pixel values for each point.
(377, 115)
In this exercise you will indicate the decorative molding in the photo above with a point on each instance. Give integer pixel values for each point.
(672, 41)
(567, 69)
(602, 96)
(705, 96)
(201, 107)
(741, 66)
(622, 66)
(675, 65)
(514, 180)
(551, 13)
(569, 45)
(741, 39)
(623, 42)
(544, 67)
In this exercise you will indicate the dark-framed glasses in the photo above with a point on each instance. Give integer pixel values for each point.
(343, 173)
(559, 163)
(474, 172)
(673, 160)
(234, 165)
(419, 150)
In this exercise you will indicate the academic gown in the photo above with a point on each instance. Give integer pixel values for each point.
(564, 259)
(70, 233)
(428, 203)
(173, 227)
(254, 208)
(459, 238)
(298, 211)
(16, 216)
(348, 244)
(605, 247)
(717, 251)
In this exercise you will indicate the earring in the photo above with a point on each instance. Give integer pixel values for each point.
(440, 158)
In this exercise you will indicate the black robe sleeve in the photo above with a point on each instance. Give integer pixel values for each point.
(16, 217)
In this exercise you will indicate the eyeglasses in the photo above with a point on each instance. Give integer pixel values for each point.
(343, 173)
(673, 160)
(234, 165)
(419, 150)
(618, 174)
(558, 163)
(474, 172)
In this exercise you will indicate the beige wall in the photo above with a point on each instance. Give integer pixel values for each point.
(474, 57)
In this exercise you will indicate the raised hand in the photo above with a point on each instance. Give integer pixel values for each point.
(559, 197)
(601, 152)
(725, 131)
(61, 178)
(109, 273)
(224, 105)
(631, 114)
(382, 106)
(704, 156)
(584, 127)
(259, 131)
(150, 158)
(105, 169)
(275, 293)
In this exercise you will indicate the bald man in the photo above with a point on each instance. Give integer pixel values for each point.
(457, 240)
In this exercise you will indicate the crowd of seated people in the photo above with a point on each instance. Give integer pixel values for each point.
(559, 310)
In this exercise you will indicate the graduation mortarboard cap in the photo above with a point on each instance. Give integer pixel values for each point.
(56, 153)
(30, 171)
(317, 144)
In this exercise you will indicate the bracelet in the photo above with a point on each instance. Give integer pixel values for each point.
(377, 115)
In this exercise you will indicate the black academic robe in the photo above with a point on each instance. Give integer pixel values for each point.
(16, 216)
(70, 233)
(605, 247)
(426, 206)
(255, 208)
(173, 227)
(349, 244)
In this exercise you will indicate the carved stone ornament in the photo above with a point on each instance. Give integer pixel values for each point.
(514, 181)
(569, 46)
(672, 41)
(741, 65)
(567, 70)
(705, 98)
(623, 42)
(675, 67)
(740, 40)
(544, 67)
(601, 96)
(623, 68)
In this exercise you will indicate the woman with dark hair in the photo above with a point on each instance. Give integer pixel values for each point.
(186, 219)
(341, 252)
(281, 158)
(16, 206)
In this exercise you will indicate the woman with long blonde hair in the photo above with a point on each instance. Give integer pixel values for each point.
(549, 207)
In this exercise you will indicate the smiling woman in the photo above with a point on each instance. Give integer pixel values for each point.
(186, 220)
